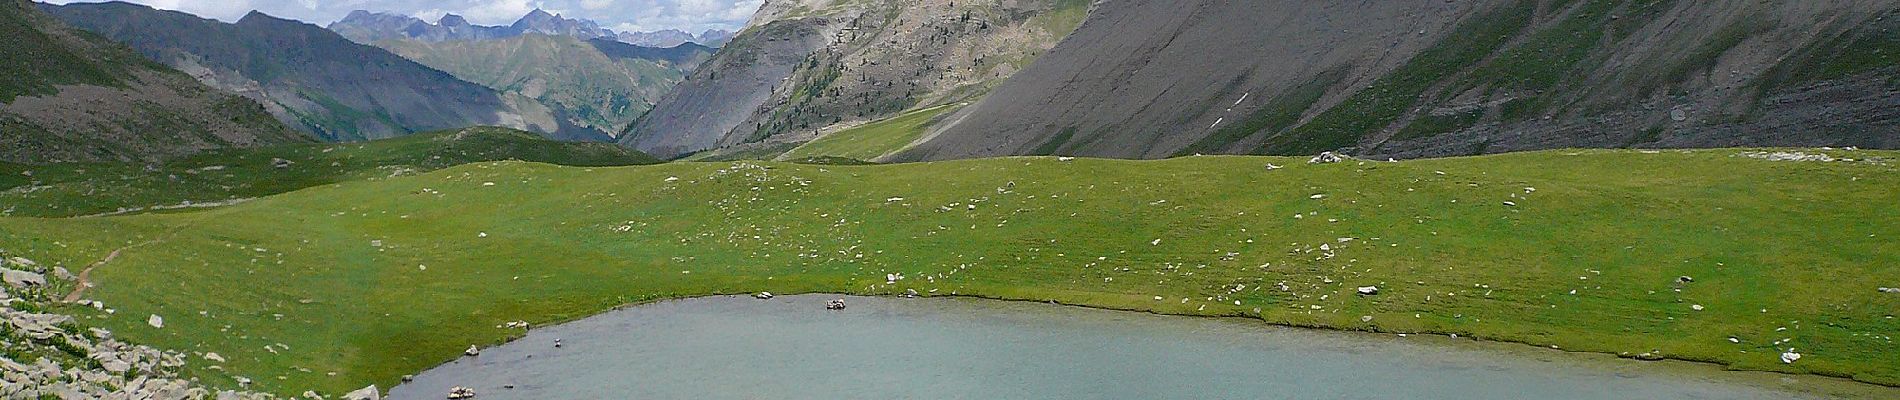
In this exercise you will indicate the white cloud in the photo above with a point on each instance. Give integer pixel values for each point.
(645, 15)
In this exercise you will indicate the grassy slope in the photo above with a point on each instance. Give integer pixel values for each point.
(59, 190)
(1770, 245)
(872, 140)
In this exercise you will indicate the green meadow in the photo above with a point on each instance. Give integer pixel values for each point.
(363, 281)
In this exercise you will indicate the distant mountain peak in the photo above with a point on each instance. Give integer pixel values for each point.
(367, 26)
(452, 20)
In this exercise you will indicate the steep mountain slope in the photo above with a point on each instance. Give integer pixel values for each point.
(66, 95)
(592, 88)
(805, 66)
(1149, 79)
(229, 176)
(311, 78)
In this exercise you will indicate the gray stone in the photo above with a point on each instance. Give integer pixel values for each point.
(1369, 290)
(116, 366)
(23, 279)
(155, 321)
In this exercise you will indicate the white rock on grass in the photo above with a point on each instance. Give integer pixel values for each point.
(155, 321)
(1790, 357)
(367, 393)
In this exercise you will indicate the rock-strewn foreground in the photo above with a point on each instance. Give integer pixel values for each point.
(48, 355)
(1746, 258)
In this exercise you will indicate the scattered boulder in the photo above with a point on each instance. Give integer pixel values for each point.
(458, 393)
(1368, 290)
(1684, 279)
(65, 275)
(1329, 158)
(280, 163)
(155, 321)
(909, 293)
(1789, 357)
(22, 279)
(1890, 290)
(472, 351)
(213, 357)
(367, 393)
(763, 295)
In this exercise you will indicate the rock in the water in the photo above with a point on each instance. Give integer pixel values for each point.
(835, 305)
(1328, 158)
(367, 393)
(1369, 290)
(155, 321)
(458, 393)
(1790, 357)
(762, 295)
(23, 279)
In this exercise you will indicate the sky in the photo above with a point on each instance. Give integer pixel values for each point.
(620, 15)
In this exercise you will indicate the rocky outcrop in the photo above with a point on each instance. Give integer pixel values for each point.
(49, 355)
(1154, 79)
(804, 65)
(69, 96)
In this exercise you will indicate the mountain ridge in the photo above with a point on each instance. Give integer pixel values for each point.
(363, 26)
(802, 68)
(312, 78)
(68, 95)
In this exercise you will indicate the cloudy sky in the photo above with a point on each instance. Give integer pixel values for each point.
(620, 15)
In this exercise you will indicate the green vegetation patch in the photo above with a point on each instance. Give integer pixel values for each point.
(60, 190)
(1388, 99)
(1276, 115)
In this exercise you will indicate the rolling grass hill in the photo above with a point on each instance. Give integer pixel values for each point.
(339, 285)
(873, 140)
(220, 177)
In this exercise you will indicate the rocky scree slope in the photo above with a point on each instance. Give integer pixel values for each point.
(66, 95)
(596, 84)
(1153, 79)
(313, 79)
(805, 66)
